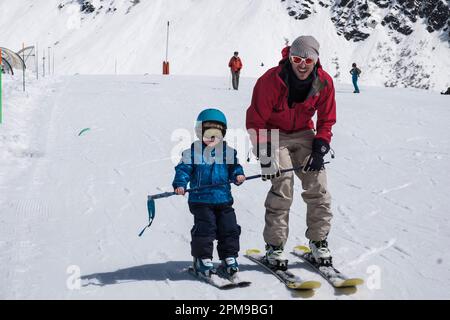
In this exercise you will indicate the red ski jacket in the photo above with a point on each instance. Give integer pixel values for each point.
(269, 106)
(235, 64)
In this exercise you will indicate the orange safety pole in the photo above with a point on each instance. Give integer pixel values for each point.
(166, 62)
(166, 67)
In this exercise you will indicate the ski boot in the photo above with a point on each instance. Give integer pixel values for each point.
(275, 258)
(320, 252)
(204, 267)
(230, 265)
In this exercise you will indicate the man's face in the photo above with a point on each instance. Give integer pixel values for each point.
(302, 66)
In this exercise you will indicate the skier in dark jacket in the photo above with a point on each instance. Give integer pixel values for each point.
(208, 161)
(355, 72)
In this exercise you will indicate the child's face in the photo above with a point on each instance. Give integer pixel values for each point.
(212, 137)
(211, 142)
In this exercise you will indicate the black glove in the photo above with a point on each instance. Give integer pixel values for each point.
(269, 166)
(314, 162)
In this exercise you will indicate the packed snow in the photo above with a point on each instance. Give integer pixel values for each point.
(79, 155)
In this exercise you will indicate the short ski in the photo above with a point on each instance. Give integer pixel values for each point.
(289, 279)
(329, 273)
(215, 280)
(235, 278)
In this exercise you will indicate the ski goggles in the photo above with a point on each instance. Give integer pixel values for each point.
(297, 60)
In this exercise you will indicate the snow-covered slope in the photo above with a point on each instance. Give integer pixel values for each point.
(74, 203)
(93, 38)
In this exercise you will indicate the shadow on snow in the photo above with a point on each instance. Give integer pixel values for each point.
(171, 270)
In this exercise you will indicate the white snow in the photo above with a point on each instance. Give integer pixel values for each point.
(73, 202)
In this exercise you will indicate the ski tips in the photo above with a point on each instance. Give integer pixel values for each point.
(349, 283)
(307, 285)
(250, 252)
(303, 249)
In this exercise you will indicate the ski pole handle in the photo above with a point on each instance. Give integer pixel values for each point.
(281, 171)
(256, 176)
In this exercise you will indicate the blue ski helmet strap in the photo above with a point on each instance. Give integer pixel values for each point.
(209, 115)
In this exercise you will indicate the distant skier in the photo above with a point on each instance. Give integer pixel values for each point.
(235, 65)
(286, 97)
(355, 72)
(210, 160)
(446, 92)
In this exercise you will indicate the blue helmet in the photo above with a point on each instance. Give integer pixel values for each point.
(209, 115)
(212, 115)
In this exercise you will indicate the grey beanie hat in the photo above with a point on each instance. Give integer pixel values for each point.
(306, 47)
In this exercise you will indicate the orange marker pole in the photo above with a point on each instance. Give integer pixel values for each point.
(166, 62)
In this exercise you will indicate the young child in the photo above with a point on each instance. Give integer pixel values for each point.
(208, 161)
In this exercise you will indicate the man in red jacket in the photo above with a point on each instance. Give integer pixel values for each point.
(235, 65)
(284, 100)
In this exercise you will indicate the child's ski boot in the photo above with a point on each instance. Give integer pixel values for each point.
(230, 266)
(204, 267)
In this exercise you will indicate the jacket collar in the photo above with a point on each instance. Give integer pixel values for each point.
(317, 84)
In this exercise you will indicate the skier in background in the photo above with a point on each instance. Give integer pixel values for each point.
(286, 98)
(355, 72)
(208, 161)
(235, 65)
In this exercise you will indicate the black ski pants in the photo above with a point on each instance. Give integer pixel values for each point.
(214, 222)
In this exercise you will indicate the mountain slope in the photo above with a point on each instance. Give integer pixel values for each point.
(128, 37)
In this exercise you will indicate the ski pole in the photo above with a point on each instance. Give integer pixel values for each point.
(151, 198)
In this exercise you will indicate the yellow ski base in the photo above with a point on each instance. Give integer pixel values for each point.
(251, 252)
(349, 283)
(307, 285)
(302, 249)
(340, 284)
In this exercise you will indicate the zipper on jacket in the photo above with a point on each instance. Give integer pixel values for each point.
(293, 121)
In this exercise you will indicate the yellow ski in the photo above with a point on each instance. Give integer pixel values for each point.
(329, 273)
(289, 279)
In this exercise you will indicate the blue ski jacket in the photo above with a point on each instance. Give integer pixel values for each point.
(201, 165)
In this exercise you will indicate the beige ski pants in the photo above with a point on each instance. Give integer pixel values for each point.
(292, 151)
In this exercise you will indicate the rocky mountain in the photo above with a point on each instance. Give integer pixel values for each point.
(398, 43)
(356, 20)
